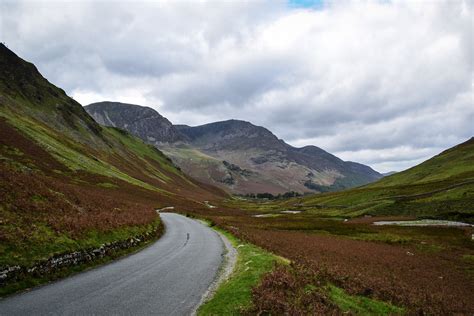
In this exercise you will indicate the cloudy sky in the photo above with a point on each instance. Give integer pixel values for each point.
(385, 83)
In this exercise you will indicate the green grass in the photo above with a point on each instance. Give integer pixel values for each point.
(68, 153)
(468, 258)
(43, 242)
(361, 305)
(234, 295)
(455, 162)
(107, 185)
(144, 152)
(441, 188)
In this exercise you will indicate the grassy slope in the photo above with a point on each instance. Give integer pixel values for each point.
(234, 295)
(441, 187)
(456, 163)
(361, 305)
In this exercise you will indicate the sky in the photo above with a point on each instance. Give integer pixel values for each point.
(385, 83)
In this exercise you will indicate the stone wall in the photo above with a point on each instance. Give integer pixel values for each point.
(45, 267)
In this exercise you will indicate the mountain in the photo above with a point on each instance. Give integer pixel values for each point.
(142, 122)
(68, 183)
(386, 174)
(441, 187)
(236, 155)
(232, 135)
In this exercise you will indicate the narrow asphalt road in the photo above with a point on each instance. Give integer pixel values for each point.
(167, 278)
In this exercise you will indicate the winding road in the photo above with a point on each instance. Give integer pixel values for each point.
(167, 278)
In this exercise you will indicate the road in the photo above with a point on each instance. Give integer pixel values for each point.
(167, 278)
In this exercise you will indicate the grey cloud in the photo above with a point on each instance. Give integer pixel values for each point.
(360, 79)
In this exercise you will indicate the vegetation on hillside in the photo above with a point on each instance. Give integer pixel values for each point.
(440, 188)
(330, 237)
(67, 182)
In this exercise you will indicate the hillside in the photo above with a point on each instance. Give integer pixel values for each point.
(237, 155)
(441, 187)
(69, 183)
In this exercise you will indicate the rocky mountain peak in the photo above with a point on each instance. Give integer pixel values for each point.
(143, 122)
(233, 134)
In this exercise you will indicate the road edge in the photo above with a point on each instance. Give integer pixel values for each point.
(226, 268)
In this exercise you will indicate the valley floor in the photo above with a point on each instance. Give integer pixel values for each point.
(422, 269)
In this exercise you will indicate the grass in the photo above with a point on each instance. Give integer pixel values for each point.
(145, 152)
(43, 242)
(234, 295)
(73, 151)
(361, 305)
(441, 187)
(107, 185)
(68, 153)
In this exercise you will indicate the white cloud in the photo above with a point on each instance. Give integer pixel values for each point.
(361, 79)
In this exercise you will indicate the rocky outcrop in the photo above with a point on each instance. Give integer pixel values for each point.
(142, 122)
(47, 267)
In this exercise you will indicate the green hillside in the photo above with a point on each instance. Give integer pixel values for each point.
(69, 184)
(441, 187)
(454, 164)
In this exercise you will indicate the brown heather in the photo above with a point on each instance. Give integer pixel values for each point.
(424, 282)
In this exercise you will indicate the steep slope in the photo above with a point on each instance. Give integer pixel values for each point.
(454, 163)
(68, 183)
(243, 158)
(441, 187)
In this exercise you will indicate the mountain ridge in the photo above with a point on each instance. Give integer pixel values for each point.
(140, 121)
(271, 164)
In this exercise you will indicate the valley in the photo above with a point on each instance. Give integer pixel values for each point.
(331, 239)
(78, 183)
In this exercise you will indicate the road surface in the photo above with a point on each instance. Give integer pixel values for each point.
(167, 278)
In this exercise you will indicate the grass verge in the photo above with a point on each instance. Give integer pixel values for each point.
(235, 294)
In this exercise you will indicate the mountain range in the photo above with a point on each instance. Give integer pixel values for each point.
(235, 155)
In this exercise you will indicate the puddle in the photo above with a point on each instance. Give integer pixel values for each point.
(291, 212)
(209, 205)
(423, 222)
(165, 209)
(265, 215)
(275, 215)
